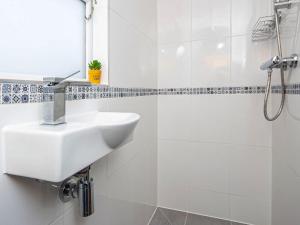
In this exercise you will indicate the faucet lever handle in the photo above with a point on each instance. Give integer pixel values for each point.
(53, 81)
(67, 77)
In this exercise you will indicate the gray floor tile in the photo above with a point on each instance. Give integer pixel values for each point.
(174, 217)
(159, 219)
(193, 219)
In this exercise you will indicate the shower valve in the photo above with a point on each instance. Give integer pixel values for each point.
(285, 63)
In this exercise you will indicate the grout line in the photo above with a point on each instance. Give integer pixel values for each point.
(164, 215)
(151, 218)
(230, 41)
(205, 215)
(133, 26)
(262, 147)
(186, 215)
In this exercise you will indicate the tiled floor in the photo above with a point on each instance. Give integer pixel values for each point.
(171, 217)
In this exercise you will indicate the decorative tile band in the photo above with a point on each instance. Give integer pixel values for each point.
(13, 93)
(212, 90)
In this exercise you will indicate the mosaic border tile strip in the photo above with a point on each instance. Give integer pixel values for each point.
(15, 93)
(212, 90)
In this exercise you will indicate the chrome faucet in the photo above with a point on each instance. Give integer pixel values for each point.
(54, 110)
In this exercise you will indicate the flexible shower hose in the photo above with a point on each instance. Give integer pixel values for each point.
(270, 71)
(267, 94)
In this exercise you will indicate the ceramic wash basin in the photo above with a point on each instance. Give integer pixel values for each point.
(54, 153)
(116, 128)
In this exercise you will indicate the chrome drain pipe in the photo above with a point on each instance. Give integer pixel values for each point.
(86, 196)
(79, 186)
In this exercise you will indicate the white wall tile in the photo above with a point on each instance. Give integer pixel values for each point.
(172, 170)
(289, 22)
(133, 177)
(250, 171)
(245, 13)
(211, 117)
(172, 162)
(139, 13)
(210, 18)
(184, 168)
(250, 210)
(285, 195)
(211, 62)
(141, 169)
(174, 65)
(172, 196)
(140, 52)
(220, 137)
(291, 153)
(248, 125)
(59, 221)
(207, 166)
(33, 202)
(99, 174)
(174, 117)
(246, 59)
(285, 142)
(174, 21)
(206, 202)
(286, 180)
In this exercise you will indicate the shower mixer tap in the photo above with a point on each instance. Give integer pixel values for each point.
(284, 63)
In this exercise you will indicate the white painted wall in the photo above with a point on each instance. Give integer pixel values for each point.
(126, 180)
(286, 170)
(214, 151)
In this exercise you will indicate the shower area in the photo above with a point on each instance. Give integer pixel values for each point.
(228, 112)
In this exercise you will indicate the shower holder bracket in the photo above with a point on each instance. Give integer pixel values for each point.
(282, 4)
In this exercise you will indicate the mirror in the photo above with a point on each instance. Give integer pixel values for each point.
(49, 38)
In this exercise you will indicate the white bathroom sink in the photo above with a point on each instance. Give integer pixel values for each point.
(116, 128)
(54, 153)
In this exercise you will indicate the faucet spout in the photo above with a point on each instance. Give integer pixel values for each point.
(54, 100)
